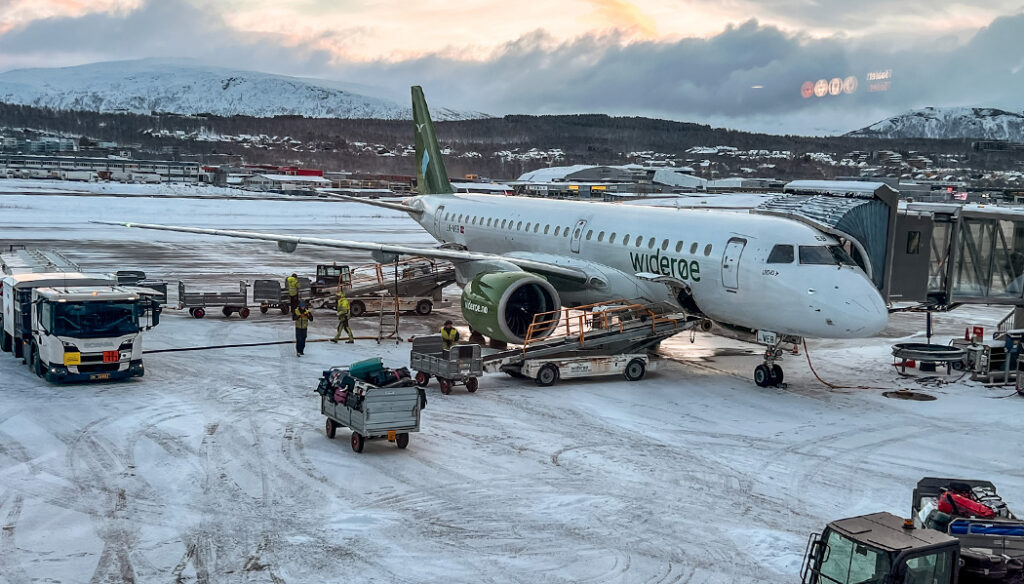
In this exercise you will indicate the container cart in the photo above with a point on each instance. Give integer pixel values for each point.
(230, 302)
(273, 294)
(391, 411)
(460, 364)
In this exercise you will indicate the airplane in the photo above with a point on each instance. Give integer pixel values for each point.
(516, 257)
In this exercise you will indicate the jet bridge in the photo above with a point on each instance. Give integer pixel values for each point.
(939, 255)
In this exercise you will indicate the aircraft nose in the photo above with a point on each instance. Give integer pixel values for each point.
(863, 315)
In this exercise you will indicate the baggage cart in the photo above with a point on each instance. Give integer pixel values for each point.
(230, 302)
(462, 364)
(273, 294)
(369, 411)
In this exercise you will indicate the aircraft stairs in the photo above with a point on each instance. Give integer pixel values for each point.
(606, 328)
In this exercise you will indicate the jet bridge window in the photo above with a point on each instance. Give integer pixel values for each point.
(781, 254)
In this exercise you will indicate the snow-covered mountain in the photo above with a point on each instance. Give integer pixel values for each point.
(185, 87)
(949, 122)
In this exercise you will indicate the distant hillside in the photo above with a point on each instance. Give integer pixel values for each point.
(949, 123)
(184, 87)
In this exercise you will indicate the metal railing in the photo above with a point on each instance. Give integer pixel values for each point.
(577, 322)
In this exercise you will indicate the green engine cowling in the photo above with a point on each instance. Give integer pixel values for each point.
(501, 305)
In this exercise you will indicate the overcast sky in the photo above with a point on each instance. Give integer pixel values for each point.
(734, 63)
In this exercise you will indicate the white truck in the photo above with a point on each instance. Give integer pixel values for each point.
(76, 327)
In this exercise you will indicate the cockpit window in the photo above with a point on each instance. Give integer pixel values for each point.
(830, 255)
(781, 254)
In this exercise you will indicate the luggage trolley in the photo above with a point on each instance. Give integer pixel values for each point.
(389, 411)
(460, 364)
(198, 302)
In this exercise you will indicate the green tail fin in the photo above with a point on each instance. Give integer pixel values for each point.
(431, 176)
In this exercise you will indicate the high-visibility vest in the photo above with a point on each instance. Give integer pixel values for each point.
(303, 317)
(293, 285)
(343, 307)
(448, 337)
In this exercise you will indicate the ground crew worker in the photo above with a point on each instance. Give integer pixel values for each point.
(302, 318)
(343, 314)
(449, 335)
(293, 292)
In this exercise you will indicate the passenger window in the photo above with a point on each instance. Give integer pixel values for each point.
(707, 249)
(565, 232)
(589, 234)
(488, 221)
(664, 245)
(679, 246)
(693, 248)
(557, 229)
(781, 254)
(536, 227)
(474, 219)
(519, 226)
(913, 243)
(611, 238)
(600, 236)
(625, 239)
(576, 234)
(650, 243)
(527, 226)
(639, 240)
(546, 228)
(503, 223)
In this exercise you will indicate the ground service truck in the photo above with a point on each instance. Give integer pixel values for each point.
(76, 327)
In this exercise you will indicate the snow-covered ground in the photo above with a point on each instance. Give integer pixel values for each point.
(215, 466)
(31, 185)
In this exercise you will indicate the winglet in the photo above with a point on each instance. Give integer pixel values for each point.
(431, 176)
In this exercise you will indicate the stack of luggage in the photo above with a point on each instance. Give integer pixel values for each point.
(338, 384)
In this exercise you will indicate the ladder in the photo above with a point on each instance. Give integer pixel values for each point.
(387, 323)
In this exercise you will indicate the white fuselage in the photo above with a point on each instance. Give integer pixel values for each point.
(721, 256)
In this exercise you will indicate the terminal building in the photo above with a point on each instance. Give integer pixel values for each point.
(83, 168)
(606, 182)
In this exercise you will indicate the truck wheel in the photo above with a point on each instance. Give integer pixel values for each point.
(402, 440)
(422, 379)
(192, 312)
(547, 375)
(226, 311)
(423, 307)
(472, 384)
(244, 312)
(332, 428)
(264, 308)
(34, 361)
(446, 387)
(357, 442)
(635, 370)
(357, 309)
(6, 342)
(199, 313)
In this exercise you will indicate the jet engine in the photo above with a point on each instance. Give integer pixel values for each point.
(502, 305)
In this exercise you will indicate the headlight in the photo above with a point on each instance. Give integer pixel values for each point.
(70, 348)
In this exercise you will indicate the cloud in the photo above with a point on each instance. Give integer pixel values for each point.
(748, 75)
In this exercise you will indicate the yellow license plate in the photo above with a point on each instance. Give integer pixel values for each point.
(100, 376)
(72, 358)
(391, 435)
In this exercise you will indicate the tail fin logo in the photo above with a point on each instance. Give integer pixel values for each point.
(426, 161)
(419, 128)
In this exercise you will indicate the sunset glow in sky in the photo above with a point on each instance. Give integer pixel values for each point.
(739, 63)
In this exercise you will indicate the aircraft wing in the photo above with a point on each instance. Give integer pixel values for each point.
(289, 241)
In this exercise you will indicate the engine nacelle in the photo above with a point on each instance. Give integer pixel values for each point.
(501, 305)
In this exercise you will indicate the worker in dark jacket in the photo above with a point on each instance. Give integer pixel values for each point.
(344, 310)
(449, 335)
(293, 292)
(302, 318)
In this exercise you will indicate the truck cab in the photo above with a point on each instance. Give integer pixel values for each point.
(89, 333)
(880, 549)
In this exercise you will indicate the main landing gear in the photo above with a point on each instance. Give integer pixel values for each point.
(770, 373)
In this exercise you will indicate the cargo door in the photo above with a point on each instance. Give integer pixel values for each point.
(577, 234)
(731, 263)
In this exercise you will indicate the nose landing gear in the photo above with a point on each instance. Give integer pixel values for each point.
(770, 373)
